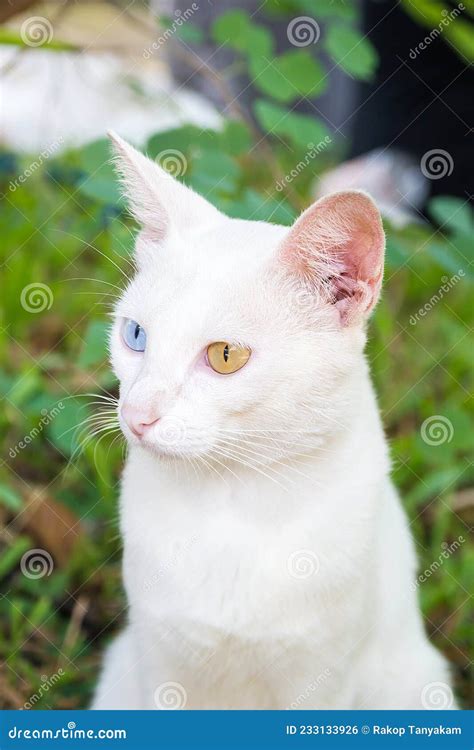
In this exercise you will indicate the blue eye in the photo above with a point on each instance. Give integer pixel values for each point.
(134, 335)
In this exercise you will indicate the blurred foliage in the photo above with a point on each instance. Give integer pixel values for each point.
(452, 20)
(64, 227)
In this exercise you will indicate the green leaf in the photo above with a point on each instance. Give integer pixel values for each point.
(190, 33)
(10, 498)
(25, 385)
(451, 212)
(235, 138)
(63, 429)
(185, 141)
(100, 181)
(457, 30)
(329, 9)
(214, 172)
(448, 258)
(395, 252)
(9, 36)
(39, 612)
(433, 484)
(461, 36)
(258, 207)
(351, 51)
(102, 189)
(236, 29)
(95, 155)
(11, 557)
(95, 344)
(303, 131)
(288, 77)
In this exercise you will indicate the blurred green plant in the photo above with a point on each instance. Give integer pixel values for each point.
(452, 21)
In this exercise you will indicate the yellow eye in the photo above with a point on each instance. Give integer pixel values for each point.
(226, 358)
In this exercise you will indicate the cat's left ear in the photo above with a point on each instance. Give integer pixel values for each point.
(336, 248)
(157, 200)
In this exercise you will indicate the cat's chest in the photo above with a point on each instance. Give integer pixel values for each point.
(238, 556)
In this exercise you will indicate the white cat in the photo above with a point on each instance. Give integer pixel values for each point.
(267, 559)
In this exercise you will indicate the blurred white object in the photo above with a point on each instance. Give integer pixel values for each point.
(392, 178)
(73, 98)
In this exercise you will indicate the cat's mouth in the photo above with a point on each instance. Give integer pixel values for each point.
(170, 437)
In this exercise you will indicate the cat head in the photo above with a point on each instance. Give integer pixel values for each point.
(239, 340)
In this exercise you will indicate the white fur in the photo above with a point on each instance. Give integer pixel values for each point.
(284, 579)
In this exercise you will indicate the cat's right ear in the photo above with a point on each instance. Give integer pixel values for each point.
(157, 200)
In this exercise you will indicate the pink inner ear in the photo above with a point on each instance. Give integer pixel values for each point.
(337, 246)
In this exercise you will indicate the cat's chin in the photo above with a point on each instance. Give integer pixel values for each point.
(165, 452)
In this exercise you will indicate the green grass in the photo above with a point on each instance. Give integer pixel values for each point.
(68, 234)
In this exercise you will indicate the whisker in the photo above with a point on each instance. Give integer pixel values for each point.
(88, 278)
(226, 453)
(213, 468)
(273, 461)
(88, 244)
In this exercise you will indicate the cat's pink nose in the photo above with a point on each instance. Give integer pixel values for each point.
(139, 420)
